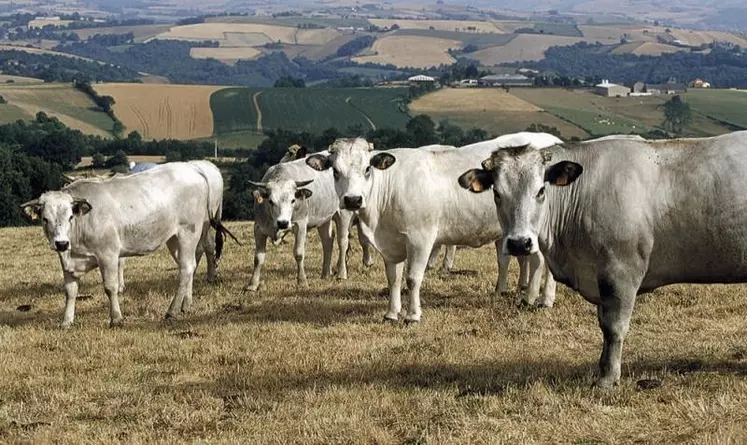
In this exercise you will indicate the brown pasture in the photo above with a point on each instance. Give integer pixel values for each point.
(317, 365)
(410, 51)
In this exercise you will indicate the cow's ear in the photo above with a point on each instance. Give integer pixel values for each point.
(476, 180)
(301, 152)
(303, 193)
(81, 207)
(259, 196)
(563, 173)
(32, 209)
(319, 162)
(382, 161)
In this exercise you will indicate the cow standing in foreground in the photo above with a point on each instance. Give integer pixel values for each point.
(408, 201)
(292, 197)
(93, 223)
(642, 215)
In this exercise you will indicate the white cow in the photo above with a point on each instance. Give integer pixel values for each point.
(409, 200)
(93, 223)
(292, 197)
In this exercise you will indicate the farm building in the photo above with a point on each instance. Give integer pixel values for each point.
(700, 83)
(666, 88)
(608, 89)
(499, 80)
(421, 79)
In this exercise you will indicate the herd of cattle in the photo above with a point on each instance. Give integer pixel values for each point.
(611, 218)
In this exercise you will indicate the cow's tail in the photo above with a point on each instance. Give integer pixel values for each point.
(215, 216)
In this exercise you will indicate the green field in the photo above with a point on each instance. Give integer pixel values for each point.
(727, 106)
(604, 115)
(309, 109)
(558, 29)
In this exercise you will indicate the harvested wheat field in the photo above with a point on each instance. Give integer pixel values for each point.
(226, 55)
(257, 34)
(410, 51)
(696, 38)
(72, 107)
(471, 99)
(646, 49)
(163, 111)
(317, 365)
(439, 25)
(522, 47)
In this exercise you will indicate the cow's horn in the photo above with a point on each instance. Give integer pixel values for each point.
(300, 184)
(67, 178)
(258, 184)
(33, 202)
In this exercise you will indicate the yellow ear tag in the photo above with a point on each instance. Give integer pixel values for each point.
(260, 199)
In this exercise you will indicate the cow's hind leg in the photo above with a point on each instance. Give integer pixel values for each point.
(449, 256)
(260, 246)
(109, 267)
(433, 258)
(186, 243)
(325, 235)
(120, 275)
(299, 252)
(207, 244)
(394, 279)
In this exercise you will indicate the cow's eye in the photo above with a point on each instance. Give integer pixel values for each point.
(541, 193)
(293, 201)
(45, 220)
(71, 218)
(272, 203)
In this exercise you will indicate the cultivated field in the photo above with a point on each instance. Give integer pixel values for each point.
(410, 51)
(440, 25)
(249, 34)
(726, 106)
(491, 109)
(163, 111)
(141, 32)
(72, 107)
(522, 47)
(243, 109)
(645, 49)
(226, 55)
(317, 365)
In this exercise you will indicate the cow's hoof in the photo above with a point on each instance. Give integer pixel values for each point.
(544, 306)
(66, 325)
(212, 280)
(169, 318)
(409, 322)
(251, 288)
(390, 320)
(367, 265)
(116, 323)
(605, 383)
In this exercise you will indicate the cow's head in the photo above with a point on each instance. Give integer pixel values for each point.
(57, 211)
(279, 199)
(518, 177)
(352, 163)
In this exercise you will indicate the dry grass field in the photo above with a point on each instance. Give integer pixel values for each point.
(259, 33)
(317, 365)
(491, 109)
(645, 49)
(695, 38)
(141, 32)
(410, 51)
(72, 107)
(439, 25)
(226, 55)
(522, 47)
(163, 111)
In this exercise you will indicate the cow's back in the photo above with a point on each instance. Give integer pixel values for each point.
(141, 212)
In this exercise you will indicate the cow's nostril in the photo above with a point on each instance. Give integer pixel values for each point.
(61, 246)
(283, 225)
(353, 202)
(519, 246)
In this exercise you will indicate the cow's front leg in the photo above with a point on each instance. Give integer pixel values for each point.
(343, 220)
(260, 246)
(71, 293)
(417, 260)
(394, 279)
(187, 244)
(109, 267)
(548, 294)
(501, 285)
(614, 312)
(299, 250)
(325, 235)
(366, 247)
(536, 267)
